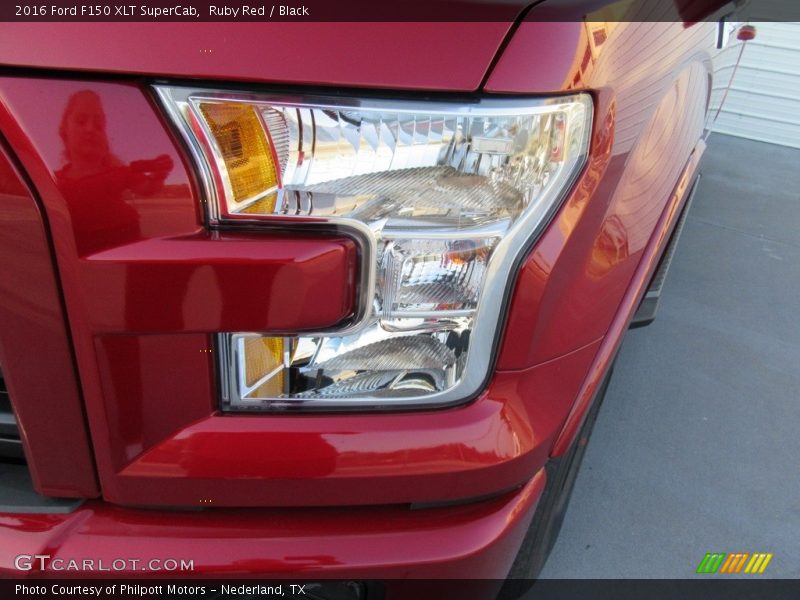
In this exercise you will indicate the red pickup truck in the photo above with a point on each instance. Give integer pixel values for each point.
(325, 300)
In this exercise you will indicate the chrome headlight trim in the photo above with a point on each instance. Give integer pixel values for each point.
(500, 275)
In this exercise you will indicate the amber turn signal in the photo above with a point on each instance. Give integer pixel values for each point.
(245, 150)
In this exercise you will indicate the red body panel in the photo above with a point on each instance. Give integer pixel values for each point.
(35, 349)
(233, 281)
(133, 258)
(150, 394)
(420, 56)
(648, 118)
(490, 445)
(365, 543)
(647, 266)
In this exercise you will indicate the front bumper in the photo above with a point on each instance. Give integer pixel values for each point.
(377, 543)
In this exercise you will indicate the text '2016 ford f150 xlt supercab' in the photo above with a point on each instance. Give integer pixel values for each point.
(326, 300)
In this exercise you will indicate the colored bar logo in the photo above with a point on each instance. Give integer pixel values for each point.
(734, 562)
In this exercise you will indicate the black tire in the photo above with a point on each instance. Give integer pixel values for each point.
(546, 523)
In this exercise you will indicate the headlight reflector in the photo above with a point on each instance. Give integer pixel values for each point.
(444, 198)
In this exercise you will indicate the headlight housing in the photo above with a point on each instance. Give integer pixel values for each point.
(444, 199)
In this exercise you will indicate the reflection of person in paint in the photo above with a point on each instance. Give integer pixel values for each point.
(101, 192)
(97, 184)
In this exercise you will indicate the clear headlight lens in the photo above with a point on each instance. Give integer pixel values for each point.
(444, 199)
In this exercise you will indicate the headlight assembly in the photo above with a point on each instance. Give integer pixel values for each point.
(444, 198)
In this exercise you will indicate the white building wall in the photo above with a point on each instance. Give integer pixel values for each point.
(764, 100)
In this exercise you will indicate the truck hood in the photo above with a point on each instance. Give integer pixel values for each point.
(413, 56)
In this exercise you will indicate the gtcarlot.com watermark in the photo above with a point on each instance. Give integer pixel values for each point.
(45, 562)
